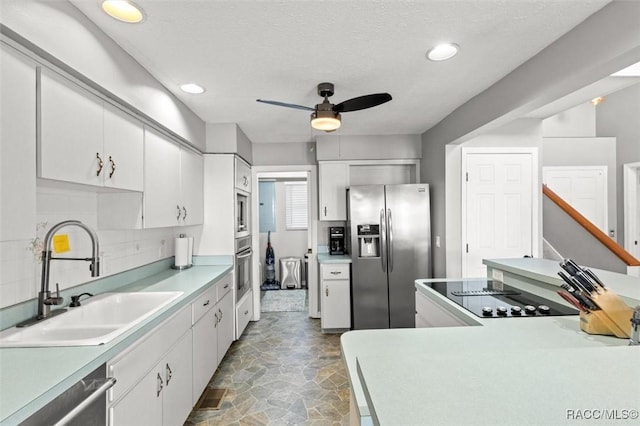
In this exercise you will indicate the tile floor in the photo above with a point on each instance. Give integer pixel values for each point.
(282, 371)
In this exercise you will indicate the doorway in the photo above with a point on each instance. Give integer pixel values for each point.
(499, 205)
(279, 181)
(632, 208)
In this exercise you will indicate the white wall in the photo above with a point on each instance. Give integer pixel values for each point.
(284, 154)
(120, 250)
(61, 30)
(618, 117)
(579, 121)
(368, 147)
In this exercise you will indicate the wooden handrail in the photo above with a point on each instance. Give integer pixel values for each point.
(607, 241)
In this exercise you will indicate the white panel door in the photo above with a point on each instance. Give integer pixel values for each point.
(498, 220)
(584, 188)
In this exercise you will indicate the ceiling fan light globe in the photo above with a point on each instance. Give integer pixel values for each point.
(328, 123)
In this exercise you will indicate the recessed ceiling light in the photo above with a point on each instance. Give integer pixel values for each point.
(443, 51)
(192, 88)
(123, 10)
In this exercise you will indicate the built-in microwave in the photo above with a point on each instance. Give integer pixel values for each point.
(242, 214)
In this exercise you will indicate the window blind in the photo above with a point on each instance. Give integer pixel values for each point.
(296, 205)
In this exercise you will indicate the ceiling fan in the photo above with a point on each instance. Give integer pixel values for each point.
(326, 116)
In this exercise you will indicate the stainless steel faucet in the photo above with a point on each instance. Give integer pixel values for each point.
(45, 301)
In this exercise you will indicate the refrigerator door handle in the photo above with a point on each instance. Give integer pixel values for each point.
(383, 242)
(390, 237)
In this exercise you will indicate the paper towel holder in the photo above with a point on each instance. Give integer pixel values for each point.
(189, 249)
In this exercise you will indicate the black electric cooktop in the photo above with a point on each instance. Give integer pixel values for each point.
(489, 299)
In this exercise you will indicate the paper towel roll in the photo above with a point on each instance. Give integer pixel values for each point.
(181, 253)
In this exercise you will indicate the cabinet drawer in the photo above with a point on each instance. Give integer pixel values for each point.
(131, 365)
(244, 312)
(203, 303)
(335, 271)
(224, 286)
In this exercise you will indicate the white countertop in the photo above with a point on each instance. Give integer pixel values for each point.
(456, 375)
(32, 377)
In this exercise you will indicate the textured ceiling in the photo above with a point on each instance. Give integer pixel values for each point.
(280, 50)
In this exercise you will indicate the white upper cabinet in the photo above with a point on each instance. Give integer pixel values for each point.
(17, 146)
(333, 191)
(123, 147)
(192, 187)
(161, 181)
(173, 183)
(243, 175)
(84, 140)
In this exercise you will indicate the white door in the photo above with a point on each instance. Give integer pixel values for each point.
(584, 188)
(498, 207)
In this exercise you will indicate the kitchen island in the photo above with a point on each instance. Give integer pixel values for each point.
(504, 371)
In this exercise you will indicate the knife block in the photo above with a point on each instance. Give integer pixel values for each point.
(613, 318)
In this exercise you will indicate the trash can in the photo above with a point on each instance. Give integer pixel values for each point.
(290, 272)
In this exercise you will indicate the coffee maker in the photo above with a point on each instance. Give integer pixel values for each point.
(336, 240)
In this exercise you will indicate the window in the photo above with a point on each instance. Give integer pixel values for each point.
(296, 205)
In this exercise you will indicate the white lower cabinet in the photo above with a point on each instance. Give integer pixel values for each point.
(335, 289)
(161, 377)
(430, 314)
(205, 352)
(244, 312)
(212, 332)
(153, 377)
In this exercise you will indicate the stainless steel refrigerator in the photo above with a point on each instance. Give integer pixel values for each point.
(390, 236)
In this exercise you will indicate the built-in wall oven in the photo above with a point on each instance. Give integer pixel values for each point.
(243, 266)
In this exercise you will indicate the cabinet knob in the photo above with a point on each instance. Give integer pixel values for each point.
(246, 312)
(100, 164)
(113, 167)
(206, 303)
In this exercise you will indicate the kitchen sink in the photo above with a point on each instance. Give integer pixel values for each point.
(99, 320)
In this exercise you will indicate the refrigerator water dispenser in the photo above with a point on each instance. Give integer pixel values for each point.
(368, 240)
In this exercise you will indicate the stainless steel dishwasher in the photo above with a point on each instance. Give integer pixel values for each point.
(84, 403)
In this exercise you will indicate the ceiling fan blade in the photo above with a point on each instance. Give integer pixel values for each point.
(362, 102)
(283, 104)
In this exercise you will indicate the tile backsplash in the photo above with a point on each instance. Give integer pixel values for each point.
(120, 250)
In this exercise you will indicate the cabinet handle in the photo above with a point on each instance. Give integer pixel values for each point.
(217, 320)
(335, 272)
(100, 164)
(245, 181)
(184, 210)
(326, 290)
(160, 385)
(246, 312)
(325, 210)
(206, 303)
(179, 212)
(113, 167)
(169, 373)
(226, 286)
(220, 314)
